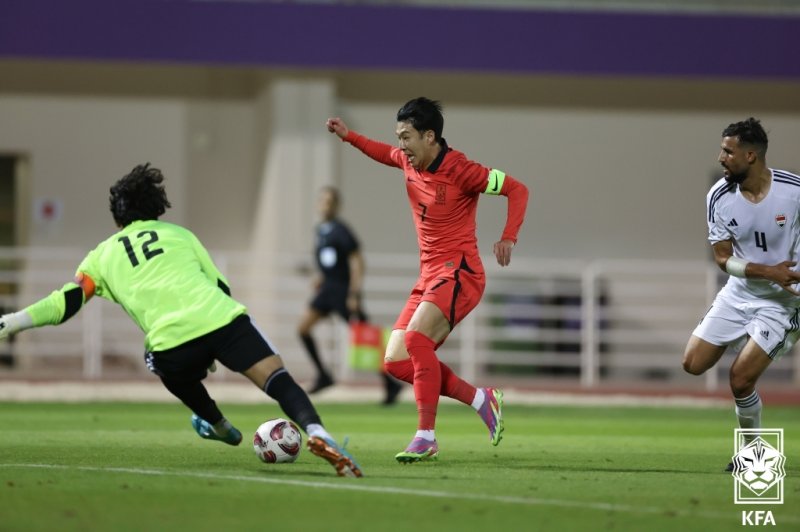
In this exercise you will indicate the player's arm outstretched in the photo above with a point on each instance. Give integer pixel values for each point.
(380, 152)
(54, 309)
(781, 274)
(337, 125)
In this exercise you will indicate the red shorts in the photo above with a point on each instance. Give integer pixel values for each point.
(456, 291)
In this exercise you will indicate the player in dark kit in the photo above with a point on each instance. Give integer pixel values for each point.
(338, 285)
(443, 188)
(165, 280)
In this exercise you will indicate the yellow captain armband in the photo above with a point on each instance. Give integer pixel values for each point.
(495, 184)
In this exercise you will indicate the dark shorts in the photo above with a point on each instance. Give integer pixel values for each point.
(237, 346)
(333, 298)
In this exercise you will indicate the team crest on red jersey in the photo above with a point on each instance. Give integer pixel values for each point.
(780, 219)
(440, 194)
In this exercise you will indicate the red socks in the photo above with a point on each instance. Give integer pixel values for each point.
(427, 377)
(455, 387)
(452, 386)
(402, 370)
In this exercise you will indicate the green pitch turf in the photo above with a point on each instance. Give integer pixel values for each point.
(120, 467)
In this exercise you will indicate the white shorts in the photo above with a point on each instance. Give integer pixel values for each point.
(774, 327)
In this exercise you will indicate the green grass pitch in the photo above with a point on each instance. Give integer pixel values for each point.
(115, 466)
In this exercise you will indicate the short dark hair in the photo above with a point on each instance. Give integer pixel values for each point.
(424, 114)
(749, 132)
(334, 192)
(139, 196)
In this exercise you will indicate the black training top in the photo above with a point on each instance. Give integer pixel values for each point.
(334, 244)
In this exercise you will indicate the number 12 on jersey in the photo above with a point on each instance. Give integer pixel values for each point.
(148, 251)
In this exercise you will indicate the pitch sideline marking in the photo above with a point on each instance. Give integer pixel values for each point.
(524, 501)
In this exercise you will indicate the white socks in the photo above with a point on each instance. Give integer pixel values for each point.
(748, 410)
(426, 434)
(315, 430)
(477, 402)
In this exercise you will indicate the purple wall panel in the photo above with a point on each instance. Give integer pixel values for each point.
(326, 36)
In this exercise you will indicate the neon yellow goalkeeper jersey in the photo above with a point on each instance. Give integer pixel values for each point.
(165, 280)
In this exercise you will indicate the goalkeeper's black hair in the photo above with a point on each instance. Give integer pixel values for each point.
(139, 196)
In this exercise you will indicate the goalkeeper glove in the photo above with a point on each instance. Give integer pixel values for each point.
(14, 323)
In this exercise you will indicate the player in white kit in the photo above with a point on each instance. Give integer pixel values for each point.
(754, 227)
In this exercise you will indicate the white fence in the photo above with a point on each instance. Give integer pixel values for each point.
(602, 321)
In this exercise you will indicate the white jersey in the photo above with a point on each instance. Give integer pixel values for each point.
(766, 232)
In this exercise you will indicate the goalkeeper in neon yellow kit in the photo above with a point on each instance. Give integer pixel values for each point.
(165, 280)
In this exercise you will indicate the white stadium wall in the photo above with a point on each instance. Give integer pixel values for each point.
(76, 146)
(605, 183)
(611, 178)
(618, 169)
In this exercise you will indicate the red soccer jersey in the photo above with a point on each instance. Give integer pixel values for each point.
(444, 198)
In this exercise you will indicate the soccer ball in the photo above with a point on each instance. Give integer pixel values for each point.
(277, 441)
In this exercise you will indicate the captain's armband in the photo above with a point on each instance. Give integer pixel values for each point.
(495, 182)
(87, 285)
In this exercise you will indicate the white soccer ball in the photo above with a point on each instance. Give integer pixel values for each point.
(277, 441)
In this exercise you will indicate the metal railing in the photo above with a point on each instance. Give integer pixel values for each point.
(590, 322)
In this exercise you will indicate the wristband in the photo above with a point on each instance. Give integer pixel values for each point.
(736, 266)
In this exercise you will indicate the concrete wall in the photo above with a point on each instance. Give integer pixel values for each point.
(606, 183)
(618, 168)
(77, 146)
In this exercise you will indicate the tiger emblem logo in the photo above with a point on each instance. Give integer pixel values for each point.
(758, 466)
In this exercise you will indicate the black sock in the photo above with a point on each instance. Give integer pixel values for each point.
(392, 388)
(292, 399)
(311, 347)
(195, 396)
